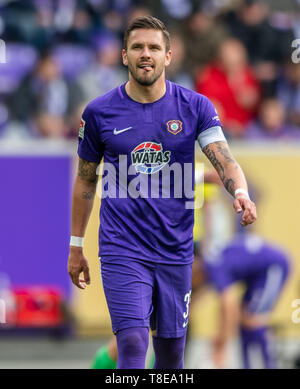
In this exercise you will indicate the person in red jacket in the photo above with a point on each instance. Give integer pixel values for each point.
(230, 84)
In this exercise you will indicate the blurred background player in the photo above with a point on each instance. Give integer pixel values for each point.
(106, 356)
(263, 268)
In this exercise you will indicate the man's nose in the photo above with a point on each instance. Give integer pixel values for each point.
(145, 52)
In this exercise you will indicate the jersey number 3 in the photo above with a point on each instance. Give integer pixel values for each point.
(187, 300)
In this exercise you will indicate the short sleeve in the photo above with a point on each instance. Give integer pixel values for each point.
(209, 126)
(90, 147)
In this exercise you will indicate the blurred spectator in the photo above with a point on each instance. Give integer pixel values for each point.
(176, 71)
(110, 14)
(106, 72)
(232, 87)
(266, 45)
(202, 38)
(288, 91)
(171, 9)
(73, 59)
(102, 7)
(271, 123)
(113, 21)
(67, 29)
(74, 24)
(29, 22)
(19, 20)
(44, 101)
(137, 12)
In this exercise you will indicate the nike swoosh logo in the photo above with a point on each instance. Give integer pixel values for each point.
(116, 132)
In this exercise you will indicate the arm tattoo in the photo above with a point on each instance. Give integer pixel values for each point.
(220, 148)
(224, 150)
(214, 160)
(87, 171)
(229, 185)
(88, 195)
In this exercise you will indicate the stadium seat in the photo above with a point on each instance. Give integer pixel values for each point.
(73, 59)
(20, 60)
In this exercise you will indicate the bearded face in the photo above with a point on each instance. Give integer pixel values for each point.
(146, 56)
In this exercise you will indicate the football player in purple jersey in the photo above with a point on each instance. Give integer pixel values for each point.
(145, 131)
(263, 268)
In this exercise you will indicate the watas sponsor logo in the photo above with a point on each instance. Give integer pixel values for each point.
(149, 157)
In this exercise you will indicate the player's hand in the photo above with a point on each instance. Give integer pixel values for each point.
(243, 203)
(77, 263)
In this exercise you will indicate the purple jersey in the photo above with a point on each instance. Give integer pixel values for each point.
(141, 143)
(246, 259)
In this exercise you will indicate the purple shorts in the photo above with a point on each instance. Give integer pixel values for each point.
(263, 289)
(145, 294)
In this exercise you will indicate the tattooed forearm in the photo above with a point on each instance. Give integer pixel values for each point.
(214, 160)
(229, 185)
(219, 155)
(87, 171)
(224, 150)
(88, 195)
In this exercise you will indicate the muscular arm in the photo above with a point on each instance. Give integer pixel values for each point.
(83, 196)
(232, 177)
(226, 166)
(82, 204)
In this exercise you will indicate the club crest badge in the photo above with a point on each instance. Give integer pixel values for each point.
(174, 126)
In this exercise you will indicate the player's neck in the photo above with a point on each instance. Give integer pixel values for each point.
(146, 94)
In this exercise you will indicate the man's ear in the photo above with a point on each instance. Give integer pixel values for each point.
(168, 58)
(124, 57)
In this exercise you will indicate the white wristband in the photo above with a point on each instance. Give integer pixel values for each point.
(76, 241)
(241, 190)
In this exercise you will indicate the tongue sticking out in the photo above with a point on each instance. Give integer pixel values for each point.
(146, 67)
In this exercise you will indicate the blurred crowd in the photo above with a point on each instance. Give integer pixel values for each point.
(60, 54)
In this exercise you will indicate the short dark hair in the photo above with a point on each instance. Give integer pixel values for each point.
(147, 23)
